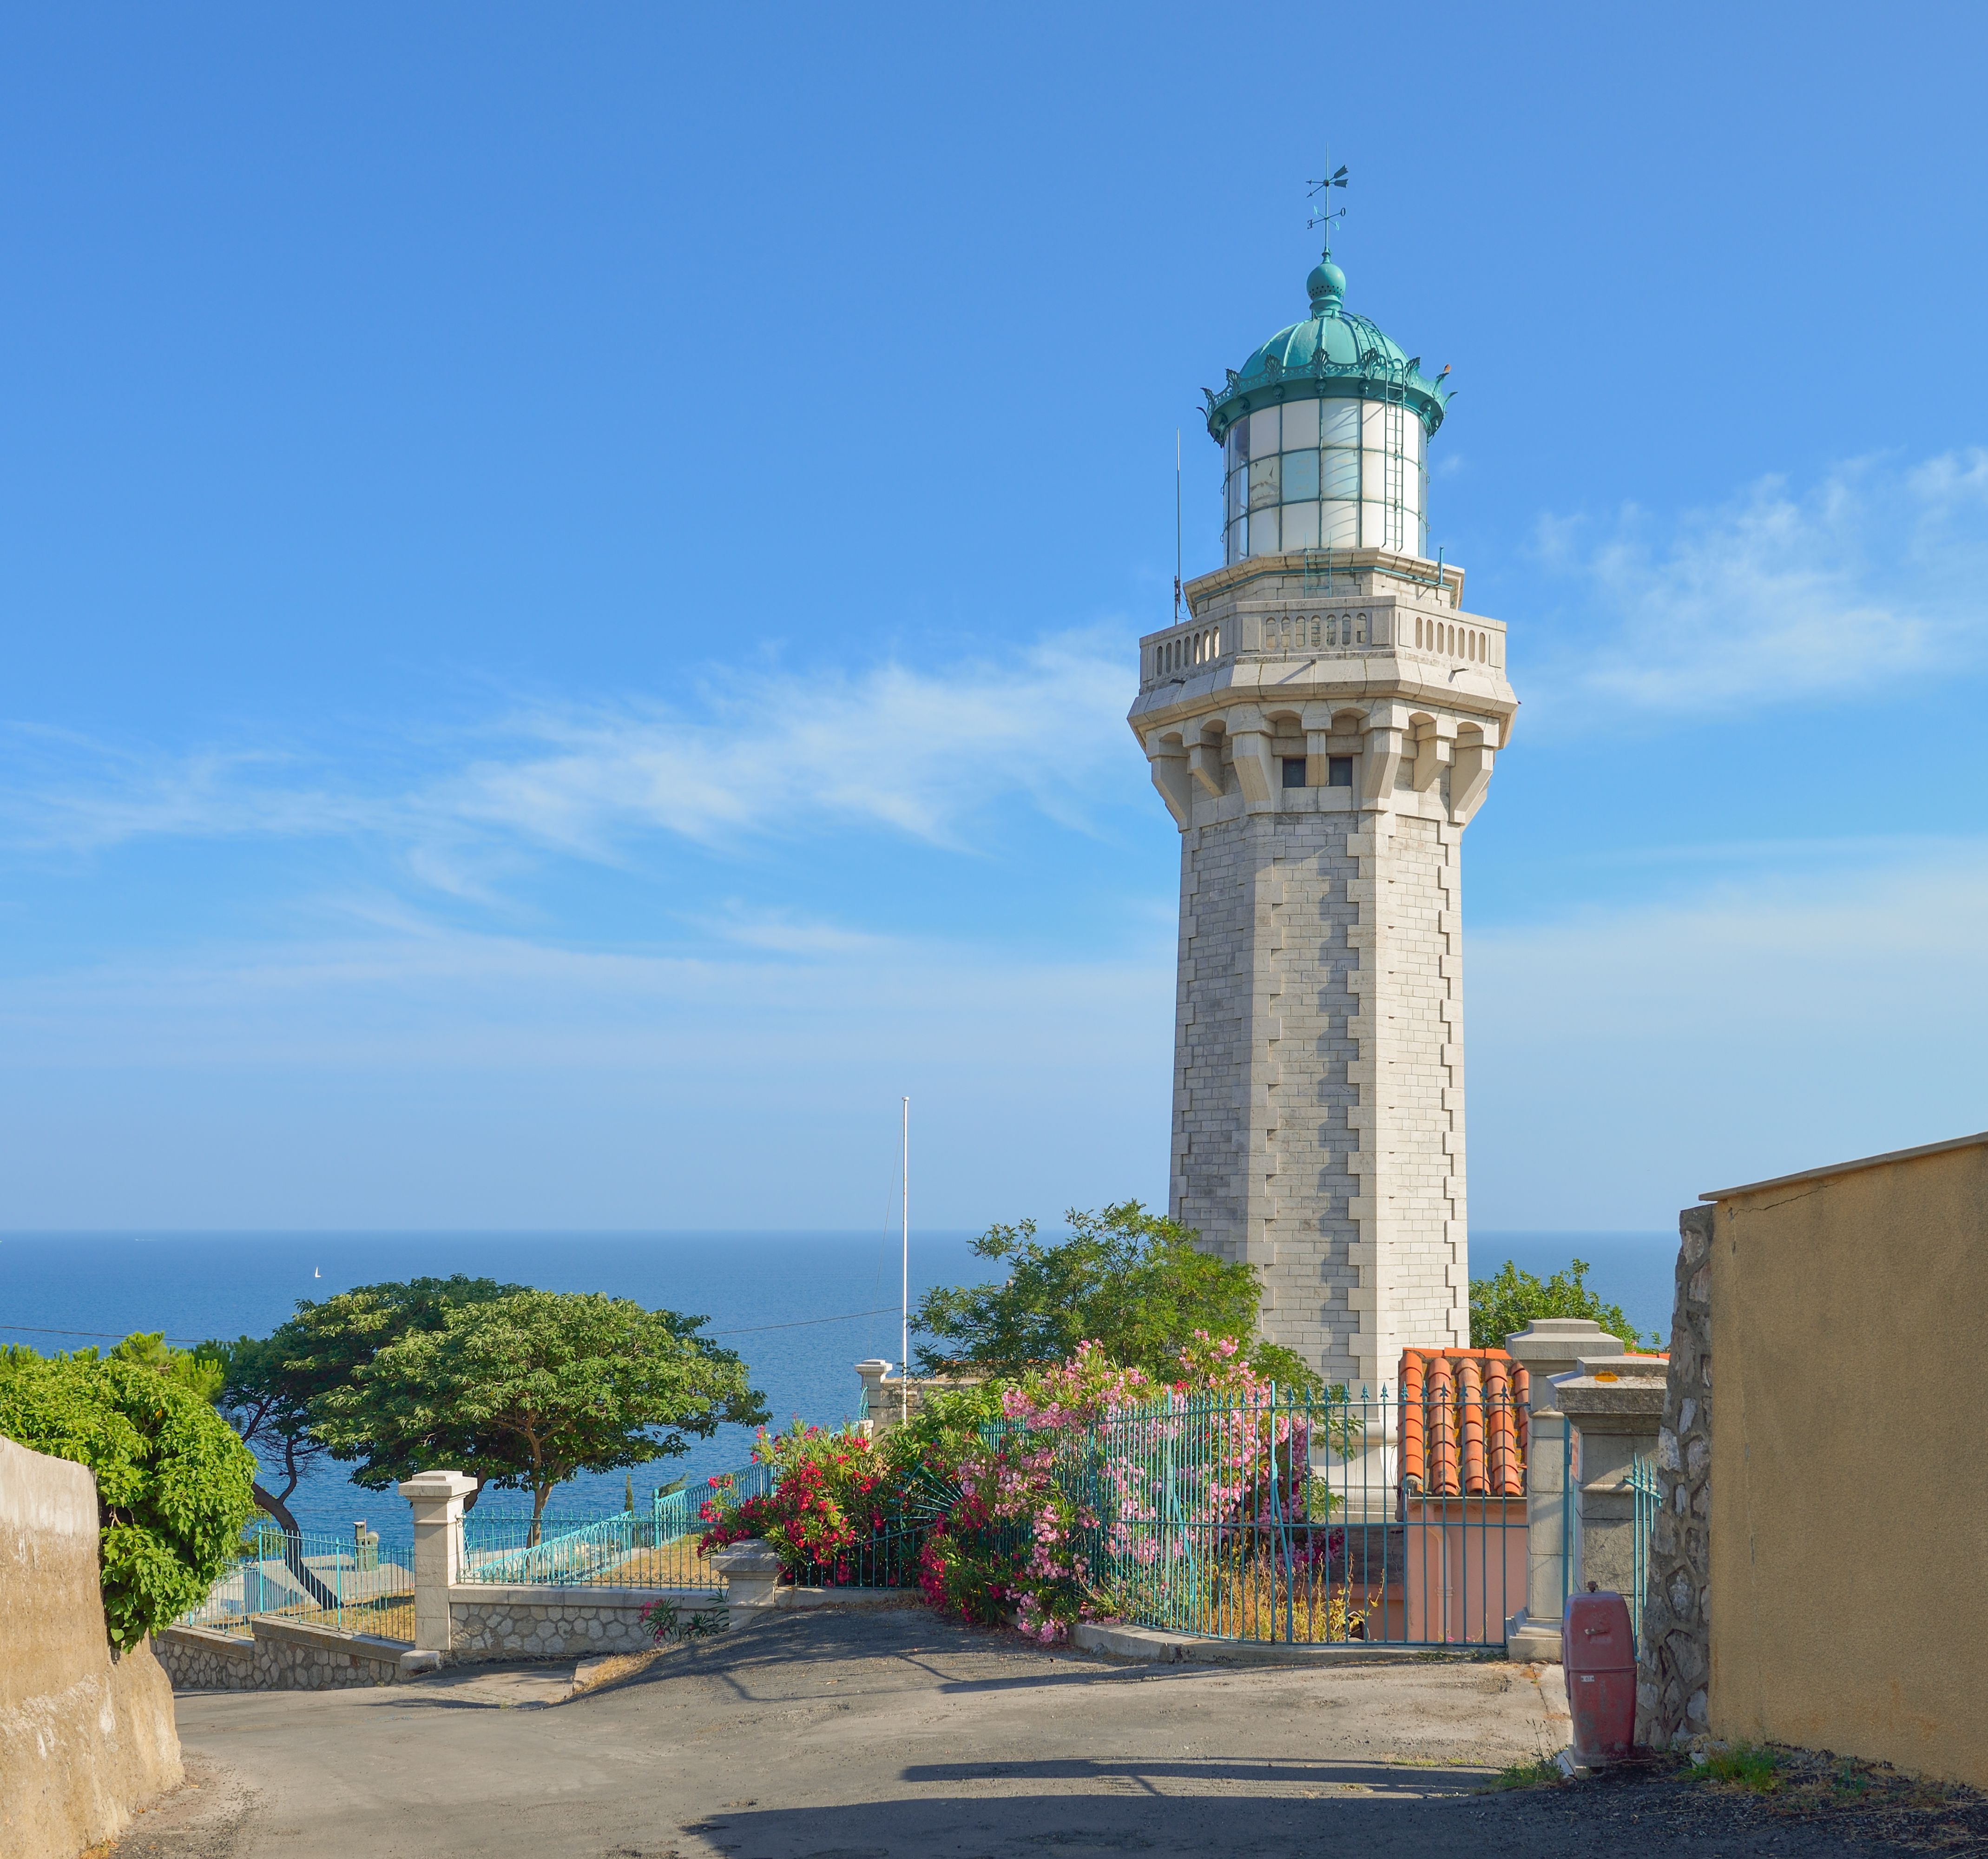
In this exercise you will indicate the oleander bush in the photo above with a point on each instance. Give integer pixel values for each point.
(1028, 1498)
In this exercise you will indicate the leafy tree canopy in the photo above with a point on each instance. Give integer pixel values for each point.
(523, 1391)
(172, 1478)
(268, 1382)
(1504, 1303)
(1133, 1282)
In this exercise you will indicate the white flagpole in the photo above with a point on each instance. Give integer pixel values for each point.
(904, 1337)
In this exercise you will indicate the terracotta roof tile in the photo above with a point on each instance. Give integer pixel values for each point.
(1463, 1423)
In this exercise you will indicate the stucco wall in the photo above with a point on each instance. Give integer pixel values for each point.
(85, 1737)
(1849, 1468)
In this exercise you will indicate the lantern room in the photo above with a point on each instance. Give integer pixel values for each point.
(1324, 434)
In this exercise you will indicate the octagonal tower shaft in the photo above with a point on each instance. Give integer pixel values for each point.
(1322, 731)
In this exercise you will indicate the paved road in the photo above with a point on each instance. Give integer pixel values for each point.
(883, 1736)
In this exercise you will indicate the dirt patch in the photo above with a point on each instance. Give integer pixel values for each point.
(201, 1819)
(592, 1674)
(1795, 1802)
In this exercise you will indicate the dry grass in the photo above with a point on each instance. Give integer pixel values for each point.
(673, 1565)
(1809, 1784)
(391, 1617)
(1259, 1601)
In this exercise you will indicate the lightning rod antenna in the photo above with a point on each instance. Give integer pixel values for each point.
(1177, 525)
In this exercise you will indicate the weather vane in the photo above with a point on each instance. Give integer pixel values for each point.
(1321, 216)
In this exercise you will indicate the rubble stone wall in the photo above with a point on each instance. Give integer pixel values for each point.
(1674, 1662)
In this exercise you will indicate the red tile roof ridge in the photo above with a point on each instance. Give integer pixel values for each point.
(1465, 1415)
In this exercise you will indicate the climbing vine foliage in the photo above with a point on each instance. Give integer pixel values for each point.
(173, 1481)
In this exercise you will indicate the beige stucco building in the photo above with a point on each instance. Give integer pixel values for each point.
(1322, 724)
(1845, 1518)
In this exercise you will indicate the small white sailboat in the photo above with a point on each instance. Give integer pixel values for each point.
(315, 1272)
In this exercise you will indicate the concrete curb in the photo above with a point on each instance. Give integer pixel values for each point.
(1148, 1646)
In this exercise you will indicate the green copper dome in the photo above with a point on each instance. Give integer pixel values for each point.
(1332, 354)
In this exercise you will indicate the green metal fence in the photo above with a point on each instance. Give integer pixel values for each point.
(1306, 1520)
(324, 1579)
(654, 1548)
(888, 1560)
(1647, 1495)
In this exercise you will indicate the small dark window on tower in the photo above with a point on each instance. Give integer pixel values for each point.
(1294, 771)
(1339, 771)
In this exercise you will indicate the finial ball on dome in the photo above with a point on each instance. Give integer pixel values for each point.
(1326, 287)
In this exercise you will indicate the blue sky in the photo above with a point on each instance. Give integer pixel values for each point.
(568, 580)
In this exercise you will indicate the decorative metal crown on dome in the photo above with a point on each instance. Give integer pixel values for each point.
(1334, 354)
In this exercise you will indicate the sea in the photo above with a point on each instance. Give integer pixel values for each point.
(802, 1308)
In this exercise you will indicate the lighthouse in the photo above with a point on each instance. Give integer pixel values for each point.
(1322, 722)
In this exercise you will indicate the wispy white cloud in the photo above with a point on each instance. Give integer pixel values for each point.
(64, 791)
(755, 751)
(1781, 595)
(918, 750)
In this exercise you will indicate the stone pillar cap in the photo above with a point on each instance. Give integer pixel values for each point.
(1625, 1367)
(1585, 1329)
(1626, 1385)
(438, 1485)
(874, 1362)
(752, 1556)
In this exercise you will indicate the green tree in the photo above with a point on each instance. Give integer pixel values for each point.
(172, 1480)
(268, 1382)
(1504, 1303)
(1133, 1282)
(524, 1390)
(199, 1371)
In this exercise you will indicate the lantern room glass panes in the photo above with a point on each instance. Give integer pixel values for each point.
(1300, 426)
(1333, 474)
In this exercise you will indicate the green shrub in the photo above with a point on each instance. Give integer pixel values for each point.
(1504, 1303)
(172, 1481)
(1744, 1766)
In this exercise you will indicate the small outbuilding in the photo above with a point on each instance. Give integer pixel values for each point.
(1818, 1561)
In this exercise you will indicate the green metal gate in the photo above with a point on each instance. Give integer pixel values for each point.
(1320, 1520)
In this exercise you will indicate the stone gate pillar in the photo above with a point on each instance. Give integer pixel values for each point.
(1548, 1346)
(436, 1498)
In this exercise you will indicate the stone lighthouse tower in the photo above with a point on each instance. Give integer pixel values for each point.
(1322, 726)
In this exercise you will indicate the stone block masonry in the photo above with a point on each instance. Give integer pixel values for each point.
(1322, 795)
(1318, 1089)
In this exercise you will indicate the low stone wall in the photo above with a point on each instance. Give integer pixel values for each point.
(283, 1656)
(291, 1656)
(1674, 1664)
(197, 1659)
(86, 1734)
(491, 1621)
